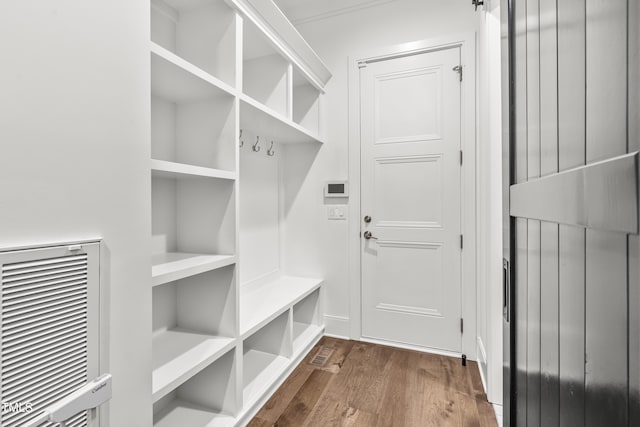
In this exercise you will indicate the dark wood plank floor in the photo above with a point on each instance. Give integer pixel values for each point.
(372, 385)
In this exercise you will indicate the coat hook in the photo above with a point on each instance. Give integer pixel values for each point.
(241, 141)
(270, 151)
(255, 146)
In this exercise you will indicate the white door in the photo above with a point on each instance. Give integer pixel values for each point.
(410, 129)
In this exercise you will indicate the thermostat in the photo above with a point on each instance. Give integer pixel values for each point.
(336, 189)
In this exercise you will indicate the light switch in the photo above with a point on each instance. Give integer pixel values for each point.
(337, 212)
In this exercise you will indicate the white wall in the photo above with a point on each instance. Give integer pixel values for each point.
(74, 159)
(323, 243)
(489, 188)
(259, 210)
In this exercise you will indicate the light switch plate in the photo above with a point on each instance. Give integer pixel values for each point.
(337, 212)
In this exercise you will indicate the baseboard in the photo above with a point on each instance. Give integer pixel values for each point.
(412, 347)
(482, 364)
(497, 409)
(337, 326)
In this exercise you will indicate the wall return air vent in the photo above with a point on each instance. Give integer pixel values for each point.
(49, 329)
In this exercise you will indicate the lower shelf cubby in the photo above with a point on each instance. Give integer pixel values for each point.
(266, 356)
(208, 399)
(306, 322)
(193, 325)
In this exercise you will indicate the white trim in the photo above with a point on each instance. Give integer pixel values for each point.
(497, 410)
(285, 38)
(412, 347)
(341, 11)
(336, 326)
(482, 360)
(467, 45)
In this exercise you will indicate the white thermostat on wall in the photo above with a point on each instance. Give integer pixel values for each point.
(336, 189)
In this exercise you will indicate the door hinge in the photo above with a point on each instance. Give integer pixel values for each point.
(458, 69)
(461, 157)
(461, 241)
(461, 325)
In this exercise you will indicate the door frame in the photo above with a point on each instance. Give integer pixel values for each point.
(467, 44)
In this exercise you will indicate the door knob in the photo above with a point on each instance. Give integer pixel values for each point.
(367, 235)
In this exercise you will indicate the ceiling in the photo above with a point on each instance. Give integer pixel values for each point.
(301, 11)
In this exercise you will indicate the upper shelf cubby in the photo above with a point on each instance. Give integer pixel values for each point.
(202, 32)
(283, 37)
(265, 72)
(306, 103)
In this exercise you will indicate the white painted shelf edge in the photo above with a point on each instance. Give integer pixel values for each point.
(182, 413)
(263, 303)
(173, 169)
(170, 266)
(179, 354)
(290, 132)
(185, 65)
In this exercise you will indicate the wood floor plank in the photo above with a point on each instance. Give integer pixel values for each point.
(372, 385)
(259, 422)
(303, 403)
(280, 400)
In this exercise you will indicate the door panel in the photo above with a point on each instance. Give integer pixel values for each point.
(571, 83)
(411, 287)
(549, 325)
(606, 375)
(533, 322)
(571, 315)
(574, 338)
(421, 176)
(520, 319)
(549, 295)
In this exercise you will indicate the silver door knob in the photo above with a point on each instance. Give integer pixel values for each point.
(367, 219)
(367, 235)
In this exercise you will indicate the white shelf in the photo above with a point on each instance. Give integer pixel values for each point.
(259, 304)
(181, 413)
(177, 80)
(170, 266)
(260, 370)
(178, 355)
(303, 334)
(164, 168)
(266, 122)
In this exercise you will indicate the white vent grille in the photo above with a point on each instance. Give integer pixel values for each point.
(44, 334)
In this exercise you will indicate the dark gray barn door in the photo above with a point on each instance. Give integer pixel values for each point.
(571, 190)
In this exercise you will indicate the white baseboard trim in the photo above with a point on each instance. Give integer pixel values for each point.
(482, 364)
(497, 409)
(337, 326)
(412, 347)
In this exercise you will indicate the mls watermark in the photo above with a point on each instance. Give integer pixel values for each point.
(13, 407)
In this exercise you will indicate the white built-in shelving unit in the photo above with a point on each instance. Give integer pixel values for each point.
(229, 323)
